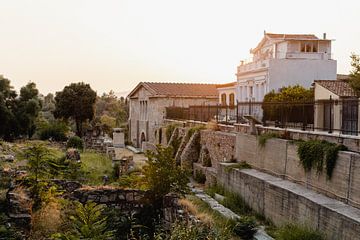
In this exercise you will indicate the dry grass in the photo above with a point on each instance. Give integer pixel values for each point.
(191, 208)
(23, 197)
(46, 221)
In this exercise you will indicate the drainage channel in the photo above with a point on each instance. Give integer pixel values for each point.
(259, 235)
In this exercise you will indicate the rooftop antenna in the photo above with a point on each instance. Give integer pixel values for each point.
(264, 32)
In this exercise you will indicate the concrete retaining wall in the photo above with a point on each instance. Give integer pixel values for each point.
(283, 201)
(279, 157)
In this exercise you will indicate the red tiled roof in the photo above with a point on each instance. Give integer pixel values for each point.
(292, 36)
(340, 88)
(179, 89)
(232, 84)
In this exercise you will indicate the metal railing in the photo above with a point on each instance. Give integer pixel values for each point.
(332, 116)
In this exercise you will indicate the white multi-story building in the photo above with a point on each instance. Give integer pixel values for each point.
(281, 60)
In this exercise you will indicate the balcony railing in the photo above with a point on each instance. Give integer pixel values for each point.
(308, 55)
(253, 66)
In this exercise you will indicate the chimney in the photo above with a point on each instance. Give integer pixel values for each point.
(324, 36)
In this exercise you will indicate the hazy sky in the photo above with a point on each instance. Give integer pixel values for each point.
(114, 44)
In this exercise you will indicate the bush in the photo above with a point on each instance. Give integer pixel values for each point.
(314, 153)
(75, 142)
(200, 177)
(245, 228)
(55, 131)
(297, 232)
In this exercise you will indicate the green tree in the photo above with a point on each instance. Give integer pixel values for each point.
(355, 73)
(28, 109)
(7, 105)
(40, 162)
(76, 101)
(88, 223)
(289, 105)
(163, 175)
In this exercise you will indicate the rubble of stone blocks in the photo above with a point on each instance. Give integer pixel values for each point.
(20, 208)
(99, 144)
(110, 152)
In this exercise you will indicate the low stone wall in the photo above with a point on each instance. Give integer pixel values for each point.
(209, 172)
(283, 201)
(124, 199)
(279, 157)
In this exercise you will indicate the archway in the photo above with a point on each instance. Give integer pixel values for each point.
(142, 139)
(160, 136)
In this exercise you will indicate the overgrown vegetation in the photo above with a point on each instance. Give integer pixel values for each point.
(231, 200)
(262, 138)
(75, 142)
(314, 154)
(297, 232)
(193, 130)
(199, 177)
(163, 175)
(355, 73)
(87, 223)
(55, 130)
(170, 130)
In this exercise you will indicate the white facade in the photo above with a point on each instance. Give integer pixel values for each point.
(282, 60)
(227, 94)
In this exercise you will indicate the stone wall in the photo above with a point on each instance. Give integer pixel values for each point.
(221, 145)
(351, 142)
(279, 157)
(283, 201)
(124, 199)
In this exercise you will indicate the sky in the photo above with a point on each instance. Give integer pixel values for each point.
(115, 44)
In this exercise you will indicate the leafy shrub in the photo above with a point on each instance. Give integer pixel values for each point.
(75, 142)
(190, 231)
(297, 232)
(56, 131)
(88, 223)
(199, 177)
(314, 153)
(245, 228)
(162, 173)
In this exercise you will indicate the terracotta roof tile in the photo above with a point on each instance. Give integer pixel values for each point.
(292, 36)
(340, 88)
(183, 89)
(232, 84)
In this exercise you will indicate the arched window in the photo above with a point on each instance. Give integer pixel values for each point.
(232, 99)
(223, 99)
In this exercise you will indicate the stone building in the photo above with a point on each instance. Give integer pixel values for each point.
(284, 59)
(148, 102)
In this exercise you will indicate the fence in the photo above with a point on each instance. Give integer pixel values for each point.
(333, 116)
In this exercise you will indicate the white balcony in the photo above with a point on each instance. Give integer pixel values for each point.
(253, 66)
(308, 55)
